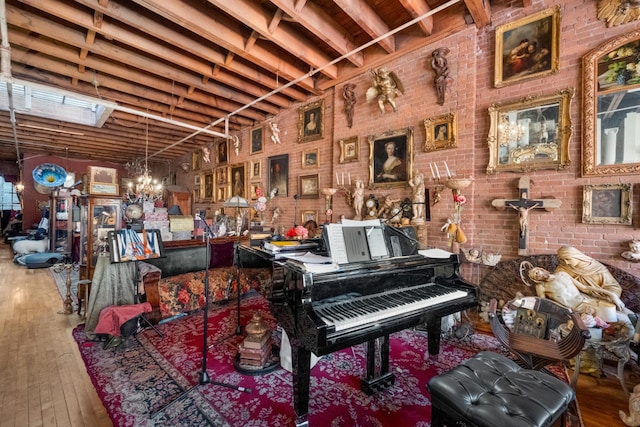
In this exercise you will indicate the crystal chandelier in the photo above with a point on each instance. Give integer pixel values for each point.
(509, 131)
(145, 188)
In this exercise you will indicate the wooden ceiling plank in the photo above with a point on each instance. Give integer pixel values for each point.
(369, 21)
(480, 10)
(251, 14)
(322, 25)
(251, 40)
(275, 21)
(57, 31)
(227, 35)
(417, 8)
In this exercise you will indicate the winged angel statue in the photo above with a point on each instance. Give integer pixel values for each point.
(618, 12)
(386, 86)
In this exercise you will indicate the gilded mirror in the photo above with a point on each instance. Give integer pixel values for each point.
(611, 114)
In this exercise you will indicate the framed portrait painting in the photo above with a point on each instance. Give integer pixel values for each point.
(222, 175)
(310, 158)
(441, 132)
(391, 158)
(256, 169)
(222, 150)
(207, 189)
(278, 167)
(607, 204)
(309, 187)
(257, 139)
(349, 149)
(311, 121)
(531, 134)
(528, 48)
(196, 160)
(238, 187)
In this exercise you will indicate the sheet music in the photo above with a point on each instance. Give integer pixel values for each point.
(337, 247)
(365, 223)
(308, 258)
(435, 253)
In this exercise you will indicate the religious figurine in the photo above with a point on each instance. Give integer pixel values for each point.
(440, 65)
(275, 132)
(349, 101)
(472, 255)
(633, 419)
(385, 88)
(236, 144)
(634, 253)
(417, 184)
(357, 199)
(389, 209)
(524, 217)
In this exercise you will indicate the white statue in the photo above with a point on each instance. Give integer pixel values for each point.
(634, 253)
(275, 132)
(633, 419)
(417, 184)
(358, 199)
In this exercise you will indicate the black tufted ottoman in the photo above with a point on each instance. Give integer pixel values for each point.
(491, 390)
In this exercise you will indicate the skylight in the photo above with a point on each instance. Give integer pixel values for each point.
(54, 105)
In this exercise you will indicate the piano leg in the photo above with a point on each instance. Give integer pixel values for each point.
(381, 379)
(434, 329)
(301, 367)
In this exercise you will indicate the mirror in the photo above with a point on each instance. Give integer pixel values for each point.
(611, 115)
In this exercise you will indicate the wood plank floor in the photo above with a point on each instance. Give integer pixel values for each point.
(43, 381)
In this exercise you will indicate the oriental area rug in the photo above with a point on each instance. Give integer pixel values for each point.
(142, 382)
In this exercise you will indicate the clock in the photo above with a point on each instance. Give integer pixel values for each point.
(133, 212)
(372, 207)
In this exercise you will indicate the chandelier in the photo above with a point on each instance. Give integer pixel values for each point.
(509, 132)
(144, 188)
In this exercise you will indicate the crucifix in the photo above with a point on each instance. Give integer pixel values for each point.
(523, 205)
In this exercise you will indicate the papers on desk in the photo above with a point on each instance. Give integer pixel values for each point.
(288, 246)
(434, 253)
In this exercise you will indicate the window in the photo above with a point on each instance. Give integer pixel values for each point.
(9, 200)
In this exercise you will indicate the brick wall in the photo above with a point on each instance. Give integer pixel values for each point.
(471, 92)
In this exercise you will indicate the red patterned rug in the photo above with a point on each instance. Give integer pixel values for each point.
(136, 380)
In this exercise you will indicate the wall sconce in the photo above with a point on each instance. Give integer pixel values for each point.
(185, 166)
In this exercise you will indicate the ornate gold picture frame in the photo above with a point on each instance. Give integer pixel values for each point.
(391, 158)
(311, 121)
(349, 149)
(310, 158)
(528, 48)
(531, 134)
(308, 216)
(607, 204)
(441, 132)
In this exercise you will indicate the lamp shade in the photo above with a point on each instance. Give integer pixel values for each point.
(174, 210)
(236, 202)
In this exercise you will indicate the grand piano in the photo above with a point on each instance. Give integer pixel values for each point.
(360, 302)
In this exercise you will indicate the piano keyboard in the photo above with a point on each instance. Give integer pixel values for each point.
(374, 308)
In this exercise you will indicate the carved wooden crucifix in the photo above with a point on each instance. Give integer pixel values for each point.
(523, 205)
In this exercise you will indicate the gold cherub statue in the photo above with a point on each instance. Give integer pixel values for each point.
(386, 86)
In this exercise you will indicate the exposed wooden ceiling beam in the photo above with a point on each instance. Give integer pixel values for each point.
(369, 21)
(480, 10)
(417, 8)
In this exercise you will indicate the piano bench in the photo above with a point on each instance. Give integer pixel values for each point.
(492, 390)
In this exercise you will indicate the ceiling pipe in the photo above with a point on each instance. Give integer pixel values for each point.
(311, 74)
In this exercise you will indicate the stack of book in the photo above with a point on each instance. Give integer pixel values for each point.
(255, 351)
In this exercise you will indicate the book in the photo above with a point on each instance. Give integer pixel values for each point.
(256, 342)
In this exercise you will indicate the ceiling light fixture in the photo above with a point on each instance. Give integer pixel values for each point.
(147, 189)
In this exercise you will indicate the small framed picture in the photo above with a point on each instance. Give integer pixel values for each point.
(102, 175)
(221, 194)
(238, 187)
(196, 194)
(257, 139)
(310, 158)
(253, 190)
(222, 175)
(106, 189)
(256, 169)
(441, 132)
(349, 149)
(278, 170)
(528, 48)
(309, 187)
(196, 160)
(309, 216)
(311, 121)
(607, 204)
(207, 189)
(197, 179)
(222, 152)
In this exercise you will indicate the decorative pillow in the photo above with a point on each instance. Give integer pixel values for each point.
(185, 292)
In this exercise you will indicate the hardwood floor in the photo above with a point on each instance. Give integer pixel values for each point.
(43, 381)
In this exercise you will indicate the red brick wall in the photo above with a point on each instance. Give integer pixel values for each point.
(471, 61)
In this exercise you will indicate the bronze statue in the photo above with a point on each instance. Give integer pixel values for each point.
(440, 65)
(386, 86)
(349, 101)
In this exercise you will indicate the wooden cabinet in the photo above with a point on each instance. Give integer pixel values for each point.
(182, 199)
(99, 215)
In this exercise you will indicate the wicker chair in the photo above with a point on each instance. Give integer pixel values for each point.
(534, 352)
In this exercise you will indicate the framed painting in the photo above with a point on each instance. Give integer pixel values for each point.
(238, 187)
(103, 188)
(441, 132)
(102, 175)
(310, 158)
(221, 194)
(196, 160)
(607, 204)
(197, 179)
(349, 149)
(257, 139)
(309, 187)
(528, 48)
(309, 216)
(222, 150)
(196, 194)
(256, 169)
(311, 121)
(207, 189)
(391, 158)
(278, 175)
(222, 175)
(531, 134)
(253, 190)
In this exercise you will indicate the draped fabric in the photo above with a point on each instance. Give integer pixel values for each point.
(112, 284)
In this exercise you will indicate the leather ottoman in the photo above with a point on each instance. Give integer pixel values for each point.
(491, 390)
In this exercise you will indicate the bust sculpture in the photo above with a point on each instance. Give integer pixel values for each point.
(634, 253)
